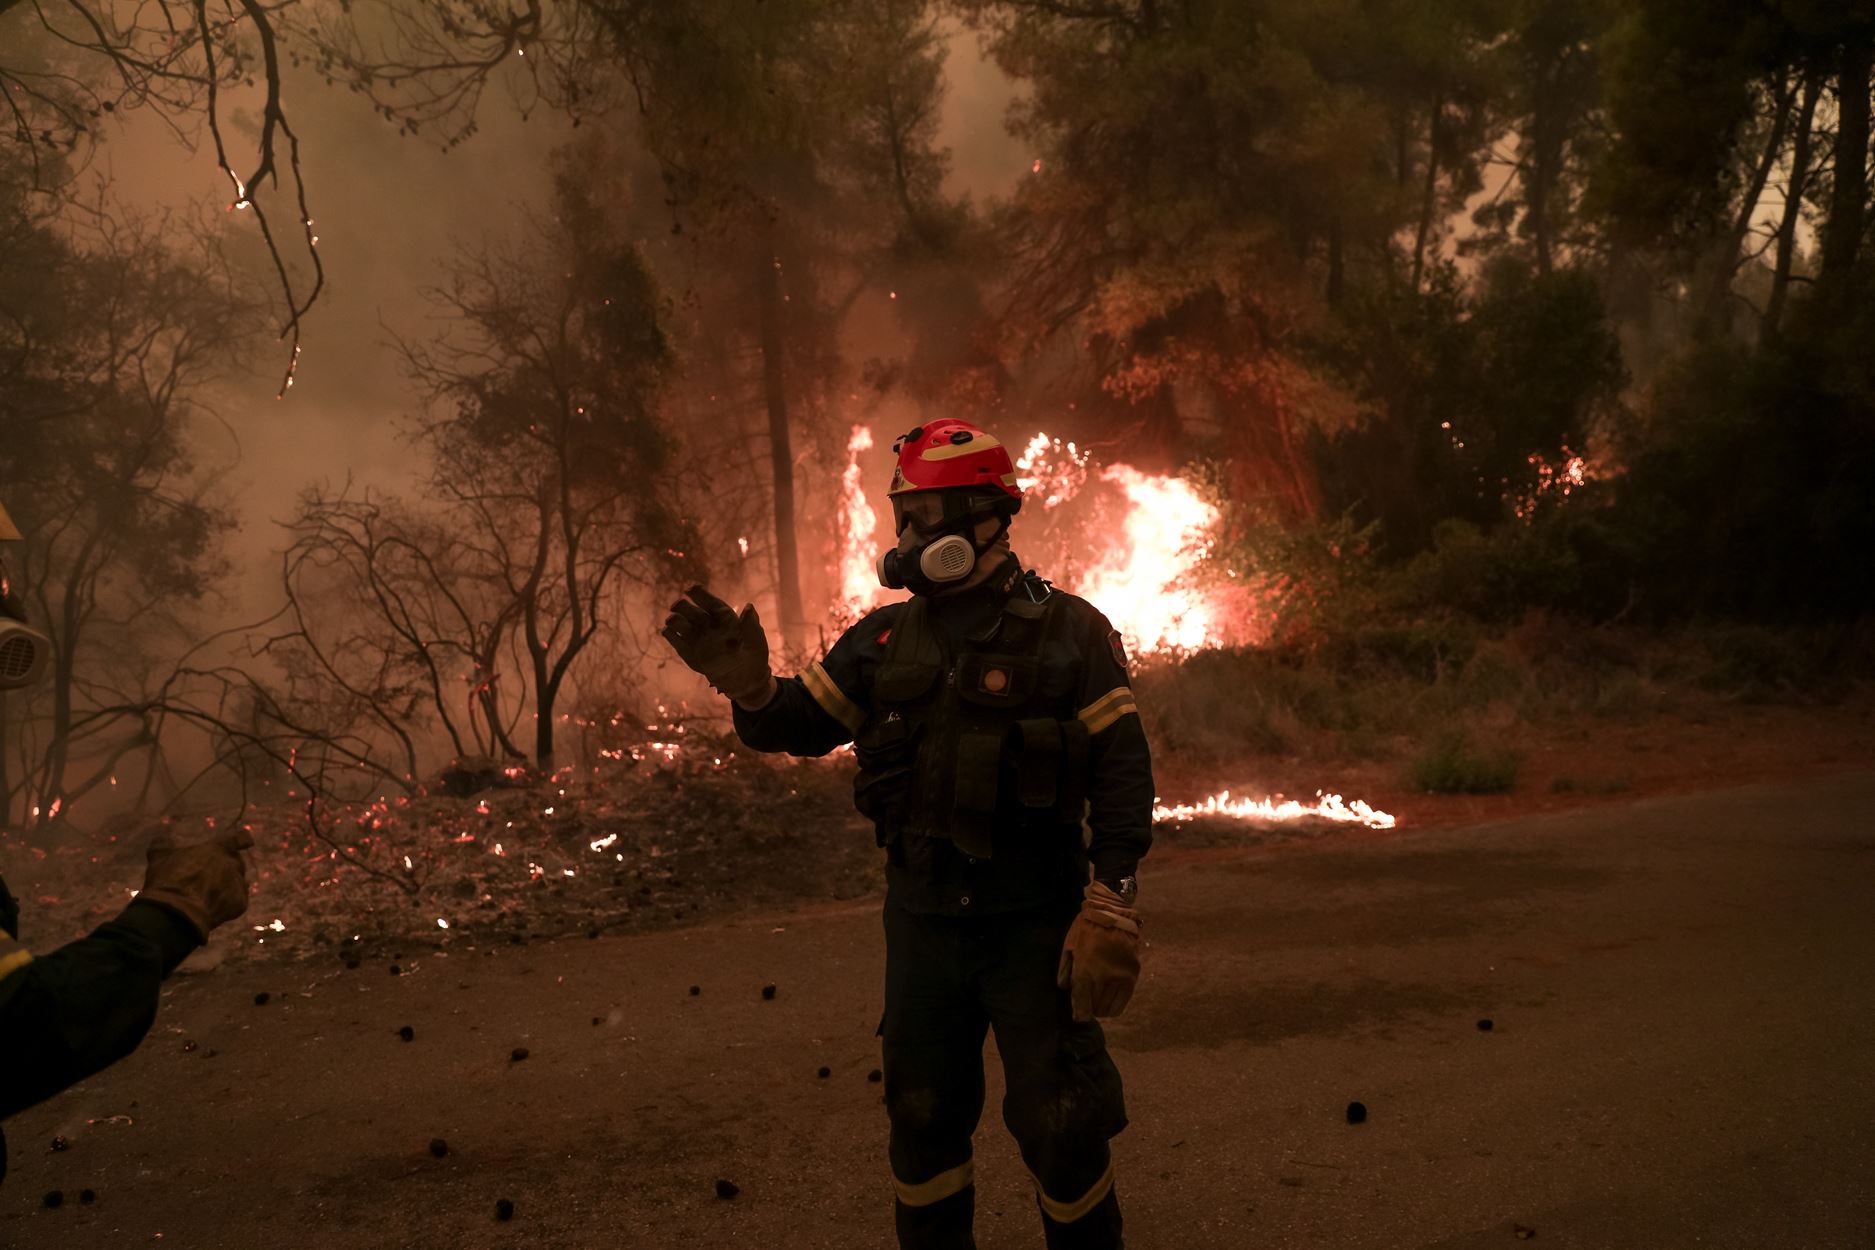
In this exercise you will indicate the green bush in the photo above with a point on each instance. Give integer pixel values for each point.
(1453, 766)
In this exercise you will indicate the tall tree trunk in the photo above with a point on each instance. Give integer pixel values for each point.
(544, 699)
(1793, 205)
(780, 448)
(1848, 201)
(1546, 152)
(1429, 201)
(1402, 150)
(1715, 303)
(1337, 267)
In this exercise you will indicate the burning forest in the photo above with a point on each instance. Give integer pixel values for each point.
(1204, 516)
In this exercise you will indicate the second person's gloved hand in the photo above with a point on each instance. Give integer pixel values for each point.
(206, 883)
(728, 648)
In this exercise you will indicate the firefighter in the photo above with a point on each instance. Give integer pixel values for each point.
(1002, 763)
(77, 1010)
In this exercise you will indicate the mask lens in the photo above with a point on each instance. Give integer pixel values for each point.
(923, 511)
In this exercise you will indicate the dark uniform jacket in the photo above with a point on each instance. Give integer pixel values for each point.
(1083, 680)
(84, 1006)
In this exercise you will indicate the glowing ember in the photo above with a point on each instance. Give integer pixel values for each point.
(859, 584)
(1052, 470)
(1326, 807)
(1554, 480)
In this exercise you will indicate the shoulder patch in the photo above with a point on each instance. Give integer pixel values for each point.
(885, 636)
(1117, 645)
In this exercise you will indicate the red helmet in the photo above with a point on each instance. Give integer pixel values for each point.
(950, 453)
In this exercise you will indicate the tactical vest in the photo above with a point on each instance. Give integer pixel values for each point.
(977, 742)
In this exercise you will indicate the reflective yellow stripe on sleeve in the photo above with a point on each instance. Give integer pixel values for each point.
(1068, 1212)
(938, 1188)
(831, 699)
(1108, 708)
(13, 957)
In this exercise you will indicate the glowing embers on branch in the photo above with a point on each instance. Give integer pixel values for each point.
(1325, 807)
(1053, 472)
(1555, 480)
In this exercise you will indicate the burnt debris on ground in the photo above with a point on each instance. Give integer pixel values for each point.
(552, 857)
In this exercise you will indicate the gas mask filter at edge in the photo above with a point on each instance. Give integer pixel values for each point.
(24, 651)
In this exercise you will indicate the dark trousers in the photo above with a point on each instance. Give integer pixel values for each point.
(949, 980)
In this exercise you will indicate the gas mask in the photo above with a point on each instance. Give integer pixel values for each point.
(944, 523)
(24, 651)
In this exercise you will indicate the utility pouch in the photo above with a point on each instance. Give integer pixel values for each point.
(1071, 794)
(1050, 762)
(887, 751)
(1038, 749)
(973, 801)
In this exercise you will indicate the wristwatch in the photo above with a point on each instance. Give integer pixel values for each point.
(1126, 887)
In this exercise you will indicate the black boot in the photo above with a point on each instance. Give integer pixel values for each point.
(1099, 1229)
(944, 1225)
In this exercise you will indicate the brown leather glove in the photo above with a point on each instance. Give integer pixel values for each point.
(206, 883)
(1100, 959)
(726, 646)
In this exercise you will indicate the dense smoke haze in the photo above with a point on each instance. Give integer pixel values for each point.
(391, 209)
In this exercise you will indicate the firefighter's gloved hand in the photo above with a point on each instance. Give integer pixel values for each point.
(726, 646)
(1100, 959)
(205, 883)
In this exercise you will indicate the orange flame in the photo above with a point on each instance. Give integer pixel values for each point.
(859, 584)
(1134, 550)
(1326, 807)
(1145, 585)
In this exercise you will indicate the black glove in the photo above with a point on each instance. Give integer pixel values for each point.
(727, 647)
(9, 911)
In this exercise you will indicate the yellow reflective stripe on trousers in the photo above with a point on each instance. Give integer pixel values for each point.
(13, 957)
(1108, 708)
(1068, 1212)
(830, 697)
(938, 1188)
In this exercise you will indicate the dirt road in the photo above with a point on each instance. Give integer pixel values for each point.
(1681, 1055)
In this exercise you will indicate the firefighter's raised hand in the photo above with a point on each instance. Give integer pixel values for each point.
(1100, 959)
(206, 883)
(727, 647)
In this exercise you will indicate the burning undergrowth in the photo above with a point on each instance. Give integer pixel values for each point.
(668, 839)
(667, 843)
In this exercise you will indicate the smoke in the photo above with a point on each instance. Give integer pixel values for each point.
(390, 211)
